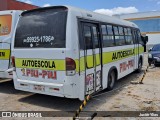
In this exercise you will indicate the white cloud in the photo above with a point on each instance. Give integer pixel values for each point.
(27, 1)
(117, 10)
(46, 5)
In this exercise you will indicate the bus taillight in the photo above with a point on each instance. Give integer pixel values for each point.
(13, 61)
(70, 67)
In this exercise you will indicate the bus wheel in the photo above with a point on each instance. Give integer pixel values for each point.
(139, 66)
(111, 80)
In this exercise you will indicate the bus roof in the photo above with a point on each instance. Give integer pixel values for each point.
(102, 17)
(86, 14)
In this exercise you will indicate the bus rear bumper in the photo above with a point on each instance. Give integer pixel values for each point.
(40, 87)
(52, 89)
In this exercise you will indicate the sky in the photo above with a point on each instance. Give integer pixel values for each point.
(108, 7)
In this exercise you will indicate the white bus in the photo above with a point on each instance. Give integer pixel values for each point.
(69, 52)
(8, 20)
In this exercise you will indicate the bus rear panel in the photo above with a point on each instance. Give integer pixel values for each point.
(40, 53)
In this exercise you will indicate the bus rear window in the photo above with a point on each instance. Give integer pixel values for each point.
(43, 28)
(5, 24)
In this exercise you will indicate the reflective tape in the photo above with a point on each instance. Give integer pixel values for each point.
(108, 57)
(59, 65)
(42, 64)
(5, 54)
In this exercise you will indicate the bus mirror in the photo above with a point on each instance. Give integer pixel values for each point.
(150, 49)
(144, 39)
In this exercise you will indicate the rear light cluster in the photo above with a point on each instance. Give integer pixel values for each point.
(13, 61)
(70, 67)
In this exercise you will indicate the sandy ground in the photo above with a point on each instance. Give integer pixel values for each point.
(130, 97)
(125, 97)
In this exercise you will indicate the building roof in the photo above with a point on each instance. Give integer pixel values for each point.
(140, 15)
(15, 5)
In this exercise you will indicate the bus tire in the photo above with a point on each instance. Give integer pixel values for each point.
(156, 65)
(111, 79)
(139, 65)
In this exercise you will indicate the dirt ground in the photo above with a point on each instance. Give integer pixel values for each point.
(125, 97)
(131, 97)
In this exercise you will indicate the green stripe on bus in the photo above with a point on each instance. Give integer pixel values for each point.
(43, 64)
(109, 57)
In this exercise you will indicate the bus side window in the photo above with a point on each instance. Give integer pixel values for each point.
(121, 33)
(110, 36)
(139, 37)
(89, 46)
(88, 37)
(116, 35)
(135, 37)
(96, 37)
(118, 38)
(107, 35)
(128, 36)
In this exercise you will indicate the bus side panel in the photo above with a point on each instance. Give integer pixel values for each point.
(111, 59)
(141, 52)
(82, 76)
(73, 51)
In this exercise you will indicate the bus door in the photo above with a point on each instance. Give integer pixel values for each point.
(136, 47)
(92, 56)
